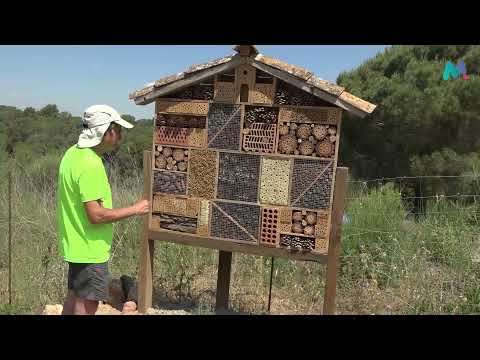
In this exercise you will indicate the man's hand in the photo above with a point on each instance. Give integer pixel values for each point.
(142, 207)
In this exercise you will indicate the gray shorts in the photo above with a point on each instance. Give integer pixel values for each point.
(89, 281)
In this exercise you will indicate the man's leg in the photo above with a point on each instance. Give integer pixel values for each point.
(85, 307)
(69, 304)
(90, 285)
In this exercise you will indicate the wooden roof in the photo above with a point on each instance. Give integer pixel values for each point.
(248, 54)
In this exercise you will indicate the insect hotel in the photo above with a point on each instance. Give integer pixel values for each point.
(244, 159)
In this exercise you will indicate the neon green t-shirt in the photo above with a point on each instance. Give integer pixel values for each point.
(82, 178)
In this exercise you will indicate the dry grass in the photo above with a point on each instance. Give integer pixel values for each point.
(389, 264)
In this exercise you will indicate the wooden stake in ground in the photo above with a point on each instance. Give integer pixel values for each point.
(10, 237)
(223, 280)
(335, 244)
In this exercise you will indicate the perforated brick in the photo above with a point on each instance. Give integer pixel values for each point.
(311, 183)
(169, 182)
(269, 232)
(202, 173)
(170, 135)
(275, 181)
(224, 126)
(238, 177)
(260, 138)
(235, 221)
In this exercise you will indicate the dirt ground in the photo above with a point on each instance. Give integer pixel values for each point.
(105, 309)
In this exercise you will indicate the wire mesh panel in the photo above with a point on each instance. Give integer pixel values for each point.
(235, 221)
(238, 177)
(312, 183)
(169, 182)
(224, 126)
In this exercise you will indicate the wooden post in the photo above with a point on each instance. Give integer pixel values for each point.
(10, 236)
(145, 287)
(335, 244)
(223, 280)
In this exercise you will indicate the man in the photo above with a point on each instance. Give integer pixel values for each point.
(85, 212)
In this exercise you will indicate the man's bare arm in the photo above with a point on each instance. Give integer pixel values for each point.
(97, 214)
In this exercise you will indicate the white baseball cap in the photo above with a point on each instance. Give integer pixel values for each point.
(96, 120)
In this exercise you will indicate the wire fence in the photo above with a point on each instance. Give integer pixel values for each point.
(460, 204)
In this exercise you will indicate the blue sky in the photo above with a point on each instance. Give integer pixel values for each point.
(75, 77)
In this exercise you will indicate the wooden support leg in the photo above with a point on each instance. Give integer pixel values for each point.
(145, 286)
(335, 244)
(223, 280)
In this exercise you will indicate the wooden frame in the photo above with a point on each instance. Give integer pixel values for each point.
(226, 247)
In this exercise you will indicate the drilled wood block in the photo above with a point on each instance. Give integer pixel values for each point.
(170, 135)
(284, 220)
(321, 228)
(192, 208)
(186, 107)
(235, 221)
(155, 222)
(203, 218)
(311, 183)
(269, 232)
(225, 91)
(262, 94)
(197, 137)
(169, 204)
(301, 115)
(321, 246)
(168, 182)
(224, 126)
(274, 182)
(238, 177)
(260, 138)
(202, 173)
